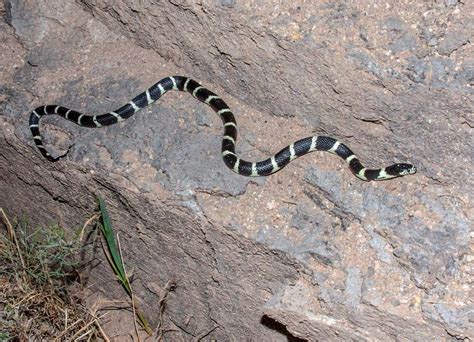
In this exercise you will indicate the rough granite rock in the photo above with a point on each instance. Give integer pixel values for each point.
(310, 253)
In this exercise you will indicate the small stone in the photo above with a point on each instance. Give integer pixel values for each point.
(451, 42)
(394, 24)
(450, 3)
(353, 285)
(363, 35)
(303, 220)
(433, 41)
(417, 69)
(228, 3)
(405, 42)
(466, 74)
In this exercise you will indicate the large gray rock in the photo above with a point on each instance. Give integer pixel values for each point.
(309, 253)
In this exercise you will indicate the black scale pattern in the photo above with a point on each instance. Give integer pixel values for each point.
(230, 160)
(245, 168)
(265, 167)
(302, 146)
(282, 158)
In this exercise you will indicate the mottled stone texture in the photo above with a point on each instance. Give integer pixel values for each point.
(310, 253)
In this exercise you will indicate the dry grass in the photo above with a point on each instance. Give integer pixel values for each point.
(41, 288)
(38, 272)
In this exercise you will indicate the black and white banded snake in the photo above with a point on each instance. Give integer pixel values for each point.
(262, 168)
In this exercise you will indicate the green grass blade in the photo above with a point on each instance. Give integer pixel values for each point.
(116, 262)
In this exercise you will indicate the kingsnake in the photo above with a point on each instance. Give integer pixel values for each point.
(242, 167)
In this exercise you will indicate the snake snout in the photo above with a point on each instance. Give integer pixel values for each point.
(406, 169)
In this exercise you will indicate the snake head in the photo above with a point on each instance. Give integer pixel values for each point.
(401, 169)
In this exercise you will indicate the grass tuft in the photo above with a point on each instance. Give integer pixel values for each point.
(40, 282)
(37, 269)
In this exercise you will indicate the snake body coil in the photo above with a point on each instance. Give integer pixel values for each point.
(242, 167)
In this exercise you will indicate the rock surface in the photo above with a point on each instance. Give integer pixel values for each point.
(310, 253)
